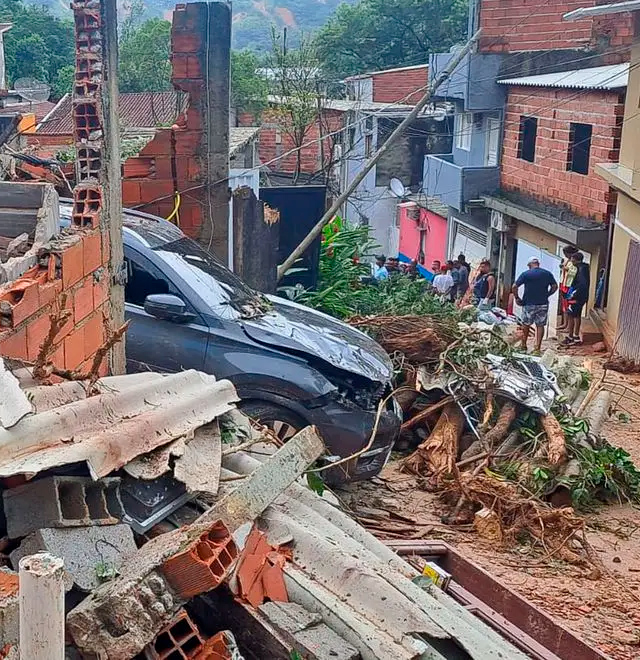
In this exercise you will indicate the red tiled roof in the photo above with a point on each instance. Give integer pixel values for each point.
(40, 109)
(136, 110)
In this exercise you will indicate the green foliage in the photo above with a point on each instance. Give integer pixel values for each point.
(379, 34)
(39, 45)
(144, 56)
(106, 570)
(345, 260)
(63, 82)
(248, 90)
(315, 483)
(603, 472)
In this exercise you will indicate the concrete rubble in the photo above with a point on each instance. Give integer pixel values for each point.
(151, 514)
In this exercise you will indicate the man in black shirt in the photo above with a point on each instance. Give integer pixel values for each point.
(577, 296)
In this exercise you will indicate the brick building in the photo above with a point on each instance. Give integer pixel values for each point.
(537, 105)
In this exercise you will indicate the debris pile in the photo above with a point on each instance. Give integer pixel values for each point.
(171, 540)
(510, 441)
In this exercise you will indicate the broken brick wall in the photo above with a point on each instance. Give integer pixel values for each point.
(70, 273)
(175, 160)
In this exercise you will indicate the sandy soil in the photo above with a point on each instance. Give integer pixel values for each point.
(605, 612)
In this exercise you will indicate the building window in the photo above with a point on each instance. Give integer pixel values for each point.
(527, 138)
(579, 148)
(368, 145)
(463, 134)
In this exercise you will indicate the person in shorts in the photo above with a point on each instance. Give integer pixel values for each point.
(539, 285)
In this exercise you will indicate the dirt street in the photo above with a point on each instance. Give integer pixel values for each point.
(604, 611)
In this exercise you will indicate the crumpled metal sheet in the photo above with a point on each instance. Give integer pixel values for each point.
(109, 430)
(528, 383)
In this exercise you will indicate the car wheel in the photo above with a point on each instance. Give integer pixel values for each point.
(281, 421)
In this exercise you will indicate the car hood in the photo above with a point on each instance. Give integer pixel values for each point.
(296, 327)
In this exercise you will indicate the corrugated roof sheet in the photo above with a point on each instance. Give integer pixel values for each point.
(130, 416)
(601, 10)
(136, 110)
(614, 76)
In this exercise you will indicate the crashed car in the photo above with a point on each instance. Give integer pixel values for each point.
(291, 365)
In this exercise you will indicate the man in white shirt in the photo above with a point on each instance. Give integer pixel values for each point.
(380, 271)
(443, 282)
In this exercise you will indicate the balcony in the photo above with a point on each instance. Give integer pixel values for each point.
(455, 185)
(473, 81)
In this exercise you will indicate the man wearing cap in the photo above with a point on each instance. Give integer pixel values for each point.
(539, 285)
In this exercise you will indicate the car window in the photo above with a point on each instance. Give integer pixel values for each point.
(143, 279)
(223, 292)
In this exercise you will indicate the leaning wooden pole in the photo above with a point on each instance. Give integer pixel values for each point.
(397, 133)
(41, 607)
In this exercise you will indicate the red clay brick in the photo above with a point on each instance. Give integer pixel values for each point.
(13, 343)
(130, 192)
(92, 252)
(26, 297)
(37, 330)
(83, 299)
(215, 648)
(74, 349)
(151, 190)
(203, 565)
(180, 639)
(93, 334)
(57, 358)
(50, 292)
(101, 290)
(72, 264)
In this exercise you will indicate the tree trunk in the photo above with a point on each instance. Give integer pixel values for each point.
(557, 447)
(505, 419)
(438, 453)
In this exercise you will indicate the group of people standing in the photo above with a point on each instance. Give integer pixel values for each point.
(451, 279)
(385, 267)
(540, 284)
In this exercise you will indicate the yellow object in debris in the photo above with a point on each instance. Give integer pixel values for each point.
(437, 575)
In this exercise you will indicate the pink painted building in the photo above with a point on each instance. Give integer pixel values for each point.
(422, 236)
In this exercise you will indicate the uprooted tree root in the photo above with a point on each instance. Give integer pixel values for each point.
(420, 339)
(558, 532)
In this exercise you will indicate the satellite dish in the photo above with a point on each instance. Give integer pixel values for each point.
(397, 188)
(32, 90)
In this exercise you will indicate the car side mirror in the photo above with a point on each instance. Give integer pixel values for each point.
(167, 307)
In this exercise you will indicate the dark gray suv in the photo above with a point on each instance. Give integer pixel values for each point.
(291, 365)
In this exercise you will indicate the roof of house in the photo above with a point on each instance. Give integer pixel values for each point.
(40, 108)
(136, 110)
(614, 76)
(346, 105)
(240, 136)
(600, 10)
(368, 74)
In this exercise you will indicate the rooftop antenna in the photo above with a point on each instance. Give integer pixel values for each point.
(32, 90)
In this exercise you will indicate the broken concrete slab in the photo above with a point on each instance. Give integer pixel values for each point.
(91, 554)
(121, 617)
(307, 633)
(14, 404)
(61, 502)
(198, 467)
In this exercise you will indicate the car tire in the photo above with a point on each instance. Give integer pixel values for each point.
(281, 421)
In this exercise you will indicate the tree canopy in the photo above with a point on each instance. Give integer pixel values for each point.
(144, 56)
(39, 45)
(248, 89)
(380, 34)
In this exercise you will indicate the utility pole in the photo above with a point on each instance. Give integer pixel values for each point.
(110, 177)
(397, 133)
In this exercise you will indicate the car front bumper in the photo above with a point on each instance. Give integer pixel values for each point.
(346, 430)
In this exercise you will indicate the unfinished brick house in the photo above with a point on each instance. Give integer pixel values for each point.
(538, 104)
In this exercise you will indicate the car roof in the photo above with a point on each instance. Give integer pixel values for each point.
(149, 230)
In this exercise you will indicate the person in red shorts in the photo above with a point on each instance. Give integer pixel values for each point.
(568, 272)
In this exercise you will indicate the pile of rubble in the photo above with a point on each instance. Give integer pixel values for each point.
(510, 441)
(180, 530)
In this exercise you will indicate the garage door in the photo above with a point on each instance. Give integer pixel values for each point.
(470, 242)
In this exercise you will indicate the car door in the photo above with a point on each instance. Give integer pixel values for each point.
(154, 344)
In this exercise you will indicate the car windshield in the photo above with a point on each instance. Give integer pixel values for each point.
(227, 295)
